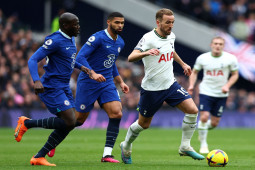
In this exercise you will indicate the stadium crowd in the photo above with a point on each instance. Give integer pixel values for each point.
(235, 16)
(16, 87)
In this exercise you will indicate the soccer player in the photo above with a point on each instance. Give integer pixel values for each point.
(101, 51)
(53, 88)
(217, 65)
(156, 49)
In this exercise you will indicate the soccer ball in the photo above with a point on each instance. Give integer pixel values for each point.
(217, 158)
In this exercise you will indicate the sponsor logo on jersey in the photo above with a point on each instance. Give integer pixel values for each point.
(214, 73)
(66, 102)
(166, 57)
(108, 63)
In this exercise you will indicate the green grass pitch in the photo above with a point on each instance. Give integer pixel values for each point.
(154, 149)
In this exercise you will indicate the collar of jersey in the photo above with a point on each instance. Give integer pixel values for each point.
(108, 35)
(216, 56)
(64, 34)
(158, 34)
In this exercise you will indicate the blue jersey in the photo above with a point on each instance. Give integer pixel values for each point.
(101, 52)
(60, 50)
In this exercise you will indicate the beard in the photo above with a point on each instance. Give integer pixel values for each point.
(115, 31)
(165, 32)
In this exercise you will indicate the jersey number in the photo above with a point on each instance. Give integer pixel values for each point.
(183, 91)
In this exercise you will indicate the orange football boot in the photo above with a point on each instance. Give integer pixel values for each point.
(40, 161)
(20, 129)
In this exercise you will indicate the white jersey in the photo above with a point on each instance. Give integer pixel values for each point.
(216, 72)
(158, 69)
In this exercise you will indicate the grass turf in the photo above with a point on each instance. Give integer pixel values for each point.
(154, 149)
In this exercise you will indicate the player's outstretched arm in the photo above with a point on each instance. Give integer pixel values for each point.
(137, 55)
(38, 87)
(33, 69)
(192, 81)
(124, 87)
(97, 77)
(233, 78)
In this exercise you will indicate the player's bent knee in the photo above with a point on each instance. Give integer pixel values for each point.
(204, 119)
(81, 117)
(116, 115)
(214, 124)
(70, 124)
(193, 111)
(145, 126)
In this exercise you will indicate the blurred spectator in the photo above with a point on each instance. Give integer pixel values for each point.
(233, 16)
(239, 28)
(54, 23)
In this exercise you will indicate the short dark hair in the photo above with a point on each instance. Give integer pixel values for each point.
(114, 14)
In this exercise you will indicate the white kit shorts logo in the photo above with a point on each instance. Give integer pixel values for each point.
(66, 102)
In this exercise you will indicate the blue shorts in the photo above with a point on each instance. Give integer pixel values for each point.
(151, 101)
(214, 105)
(87, 94)
(57, 100)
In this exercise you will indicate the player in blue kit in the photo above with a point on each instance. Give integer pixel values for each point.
(53, 87)
(101, 51)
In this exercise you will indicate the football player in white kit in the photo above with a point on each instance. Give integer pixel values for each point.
(217, 65)
(156, 50)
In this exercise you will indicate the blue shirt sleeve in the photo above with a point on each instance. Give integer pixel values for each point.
(77, 65)
(81, 57)
(32, 63)
(47, 48)
(115, 71)
(86, 50)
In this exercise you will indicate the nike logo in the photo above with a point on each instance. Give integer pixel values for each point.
(192, 127)
(67, 48)
(108, 46)
(158, 48)
(17, 133)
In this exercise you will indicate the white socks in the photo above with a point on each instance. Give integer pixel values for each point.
(188, 128)
(132, 133)
(203, 131)
(107, 151)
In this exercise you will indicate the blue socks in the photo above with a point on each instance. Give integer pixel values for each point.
(47, 123)
(112, 132)
(55, 138)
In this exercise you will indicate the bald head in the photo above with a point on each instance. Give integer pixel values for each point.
(68, 22)
(66, 18)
